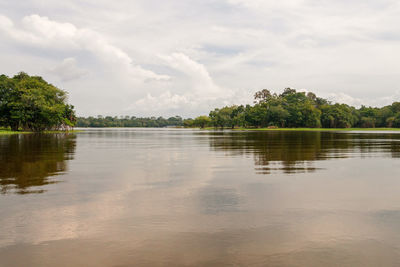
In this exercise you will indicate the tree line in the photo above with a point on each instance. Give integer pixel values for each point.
(293, 109)
(127, 121)
(31, 103)
(290, 109)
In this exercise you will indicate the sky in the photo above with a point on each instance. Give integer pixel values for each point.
(176, 57)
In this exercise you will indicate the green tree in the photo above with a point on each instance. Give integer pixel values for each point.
(337, 116)
(188, 123)
(30, 103)
(222, 117)
(201, 121)
(263, 96)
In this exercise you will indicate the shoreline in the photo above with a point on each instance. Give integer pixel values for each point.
(9, 132)
(308, 129)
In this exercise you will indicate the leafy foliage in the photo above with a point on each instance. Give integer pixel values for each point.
(30, 103)
(299, 109)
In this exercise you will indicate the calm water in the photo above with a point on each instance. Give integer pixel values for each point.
(160, 197)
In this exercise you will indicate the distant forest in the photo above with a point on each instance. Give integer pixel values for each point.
(127, 121)
(290, 109)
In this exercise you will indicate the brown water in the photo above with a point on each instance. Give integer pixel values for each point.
(165, 197)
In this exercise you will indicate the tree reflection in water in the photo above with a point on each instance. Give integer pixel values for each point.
(28, 161)
(296, 151)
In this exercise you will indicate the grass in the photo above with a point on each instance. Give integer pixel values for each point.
(5, 131)
(8, 132)
(310, 129)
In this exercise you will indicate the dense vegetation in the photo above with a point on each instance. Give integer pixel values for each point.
(294, 109)
(290, 109)
(127, 121)
(30, 103)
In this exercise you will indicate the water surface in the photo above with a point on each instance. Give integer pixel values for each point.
(175, 197)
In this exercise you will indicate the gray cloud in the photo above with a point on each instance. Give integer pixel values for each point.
(68, 70)
(178, 57)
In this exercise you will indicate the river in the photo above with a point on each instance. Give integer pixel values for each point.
(178, 197)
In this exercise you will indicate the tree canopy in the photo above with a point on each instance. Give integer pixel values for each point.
(31, 103)
(299, 109)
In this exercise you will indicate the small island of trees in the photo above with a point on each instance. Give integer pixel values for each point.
(293, 109)
(29, 103)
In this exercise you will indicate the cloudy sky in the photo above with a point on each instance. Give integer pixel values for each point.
(169, 57)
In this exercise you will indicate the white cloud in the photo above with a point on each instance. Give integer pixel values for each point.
(345, 98)
(198, 75)
(358, 102)
(167, 99)
(203, 92)
(45, 33)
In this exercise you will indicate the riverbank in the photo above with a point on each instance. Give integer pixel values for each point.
(308, 129)
(9, 132)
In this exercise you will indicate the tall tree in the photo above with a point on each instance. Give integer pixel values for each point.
(30, 103)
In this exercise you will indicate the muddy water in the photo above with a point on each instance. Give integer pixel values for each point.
(175, 197)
